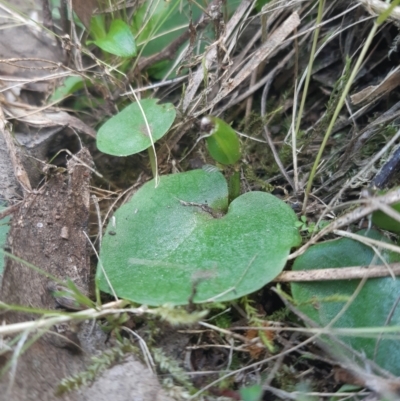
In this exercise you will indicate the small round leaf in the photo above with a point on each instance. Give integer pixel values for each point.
(126, 133)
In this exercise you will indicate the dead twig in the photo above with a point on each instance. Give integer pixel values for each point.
(339, 273)
(211, 55)
(262, 53)
(9, 210)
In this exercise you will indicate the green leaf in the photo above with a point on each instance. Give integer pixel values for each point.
(260, 4)
(251, 393)
(119, 40)
(164, 242)
(4, 228)
(97, 27)
(126, 133)
(234, 186)
(223, 143)
(387, 12)
(386, 222)
(322, 301)
(157, 24)
(69, 86)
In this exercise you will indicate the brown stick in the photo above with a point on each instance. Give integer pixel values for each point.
(340, 273)
(10, 210)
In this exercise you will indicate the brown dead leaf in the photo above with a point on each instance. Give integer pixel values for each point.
(374, 92)
(211, 55)
(84, 10)
(259, 56)
(389, 387)
(40, 117)
(256, 349)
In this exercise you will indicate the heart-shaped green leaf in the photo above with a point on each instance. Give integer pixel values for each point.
(119, 40)
(322, 301)
(167, 241)
(126, 133)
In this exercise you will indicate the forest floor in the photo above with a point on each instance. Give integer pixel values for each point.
(311, 90)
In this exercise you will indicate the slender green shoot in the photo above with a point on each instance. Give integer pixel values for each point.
(305, 92)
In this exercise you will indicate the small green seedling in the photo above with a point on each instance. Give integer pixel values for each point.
(302, 225)
(118, 40)
(222, 141)
(224, 147)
